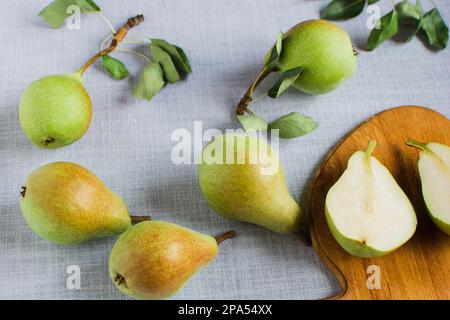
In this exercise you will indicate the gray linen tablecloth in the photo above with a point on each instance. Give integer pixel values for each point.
(129, 142)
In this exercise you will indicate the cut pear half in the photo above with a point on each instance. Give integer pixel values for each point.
(367, 212)
(434, 170)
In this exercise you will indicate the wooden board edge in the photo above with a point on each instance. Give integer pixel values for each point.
(317, 245)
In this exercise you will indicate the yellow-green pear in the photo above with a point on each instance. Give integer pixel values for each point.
(319, 53)
(241, 178)
(434, 170)
(155, 259)
(324, 51)
(65, 203)
(56, 110)
(366, 210)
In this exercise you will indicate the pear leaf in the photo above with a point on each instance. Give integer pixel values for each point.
(115, 68)
(275, 52)
(286, 80)
(342, 9)
(177, 55)
(56, 12)
(293, 125)
(435, 29)
(410, 17)
(87, 6)
(184, 58)
(387, 29)
(252, 123)
(150, 82)
(408, 14)
(169, 70)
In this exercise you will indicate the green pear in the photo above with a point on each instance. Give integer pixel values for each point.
(241, 178)
(366, 210)
(55, 111)
(65, 203)
(325, 52)
(155, 259)
(434, 170)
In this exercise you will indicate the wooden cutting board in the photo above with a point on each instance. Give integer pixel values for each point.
(420, 269)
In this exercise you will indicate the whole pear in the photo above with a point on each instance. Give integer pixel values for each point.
(434, 170)
(155, 259)
(56, 110)
(241, 178)
(65, 203)
(367, 212)
(325, 52)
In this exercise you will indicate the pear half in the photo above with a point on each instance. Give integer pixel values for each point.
(434, 170)
(367, 212)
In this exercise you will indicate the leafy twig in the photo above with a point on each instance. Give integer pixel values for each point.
(118, 37)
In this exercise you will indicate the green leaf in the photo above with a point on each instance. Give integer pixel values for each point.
(169, 70)
(388, 29)
(286, 80)
(293, 125)
(342, 9)
(185, 59)
(150, 82)
(275, 53)
(408, 14)
(435, 29)
(115, 68)
(252, 123)
(87, 6)
(56, 12)
(410, 18)
(177, 55)
(372, 1)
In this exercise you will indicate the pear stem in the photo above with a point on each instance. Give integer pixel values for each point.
(248, 96)
(118, 37)
(372, 144)
(137, 219)
(416, 144)
(227, 235)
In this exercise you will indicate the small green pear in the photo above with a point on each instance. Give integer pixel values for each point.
(65, 203)
(155, 259)
(434, 170)
(55, 111)
(324, 51)
(366, 210)
(241, 178)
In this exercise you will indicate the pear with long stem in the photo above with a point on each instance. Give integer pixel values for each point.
(56, 110)
(322, 53)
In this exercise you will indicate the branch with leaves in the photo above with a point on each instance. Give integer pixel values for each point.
(291, 125)
(405, 16)
(167, 63)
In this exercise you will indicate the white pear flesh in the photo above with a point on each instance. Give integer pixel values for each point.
(367, 212)
(434, 170)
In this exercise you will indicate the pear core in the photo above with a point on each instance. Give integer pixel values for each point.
(367, 211)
